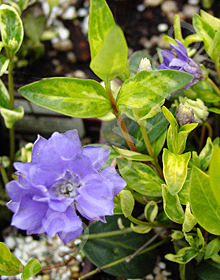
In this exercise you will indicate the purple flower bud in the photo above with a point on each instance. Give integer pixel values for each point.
(62, 178)
(184, 114)
(182, 62)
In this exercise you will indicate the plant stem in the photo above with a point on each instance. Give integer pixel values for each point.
(11, 106)
(214, 86)
(4, 175)
(150, 150)
(105, 234)
(93, 272)
(119, 118)
(218, 72)
(3, 203)
(152, 225)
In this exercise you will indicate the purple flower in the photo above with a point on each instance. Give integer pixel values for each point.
(62, 178)
(182, 63)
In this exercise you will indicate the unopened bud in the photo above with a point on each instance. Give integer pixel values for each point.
(184, 114)
(144, 65)
(200, 110)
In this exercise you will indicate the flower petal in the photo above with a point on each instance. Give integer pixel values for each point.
(112, 176)
(180, 50)
(29, 215)
(38, 145)
(97, 155)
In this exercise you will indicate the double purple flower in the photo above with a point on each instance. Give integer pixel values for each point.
(182, 62)
(61, 179)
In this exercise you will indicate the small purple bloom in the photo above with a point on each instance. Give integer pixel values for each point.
(61, 179)
(182, 62)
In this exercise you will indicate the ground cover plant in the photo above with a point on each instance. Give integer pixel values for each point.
(158, 183)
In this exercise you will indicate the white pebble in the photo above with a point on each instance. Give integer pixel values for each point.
(162, 27)
(141, 7)
(82, 12)
(28, 239)
(193, 2)
(162, 265)
(149, 277)
(10, 242)
(70, 13)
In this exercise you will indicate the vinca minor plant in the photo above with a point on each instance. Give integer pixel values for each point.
(166, 189)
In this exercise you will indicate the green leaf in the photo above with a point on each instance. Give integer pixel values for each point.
(206, 154)
(183, 135)
(212, 248)
(169, 116)
(202, 200)
(184, 192)
(12, 116)
(208, 270)
(9, 264)
(204, 91)
(11, 27)
(34, 27)
(214, 110)
(175, 170)
(4, 96)
(100, 22)
(22, 4)
(127, 202)
(140, 177)
(211, 20)
(214, 173)
(189, 220)
(195, 240)
(131, 155)
(3, 64)
(215, 51)
(141, 229)
(78, 98)
(151, 211)
(172, 206)
(148, 88)
(183, 256)
(106, 250)
(111, 60)
(158, 144)
(205, 31)
(30, 269)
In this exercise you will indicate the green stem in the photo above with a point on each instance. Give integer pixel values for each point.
(2, 203)
(93, 272)
(209, 129)
(11, 106)
(152, 225)
(214, 86)
(119, 118)
(105, 234)
(150, 150)
(4, 175)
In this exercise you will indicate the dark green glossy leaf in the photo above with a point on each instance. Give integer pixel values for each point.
(70, 96)
(140, 177)
(208, 270)
(106, 250)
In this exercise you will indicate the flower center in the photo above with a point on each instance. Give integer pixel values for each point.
(66, 185)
